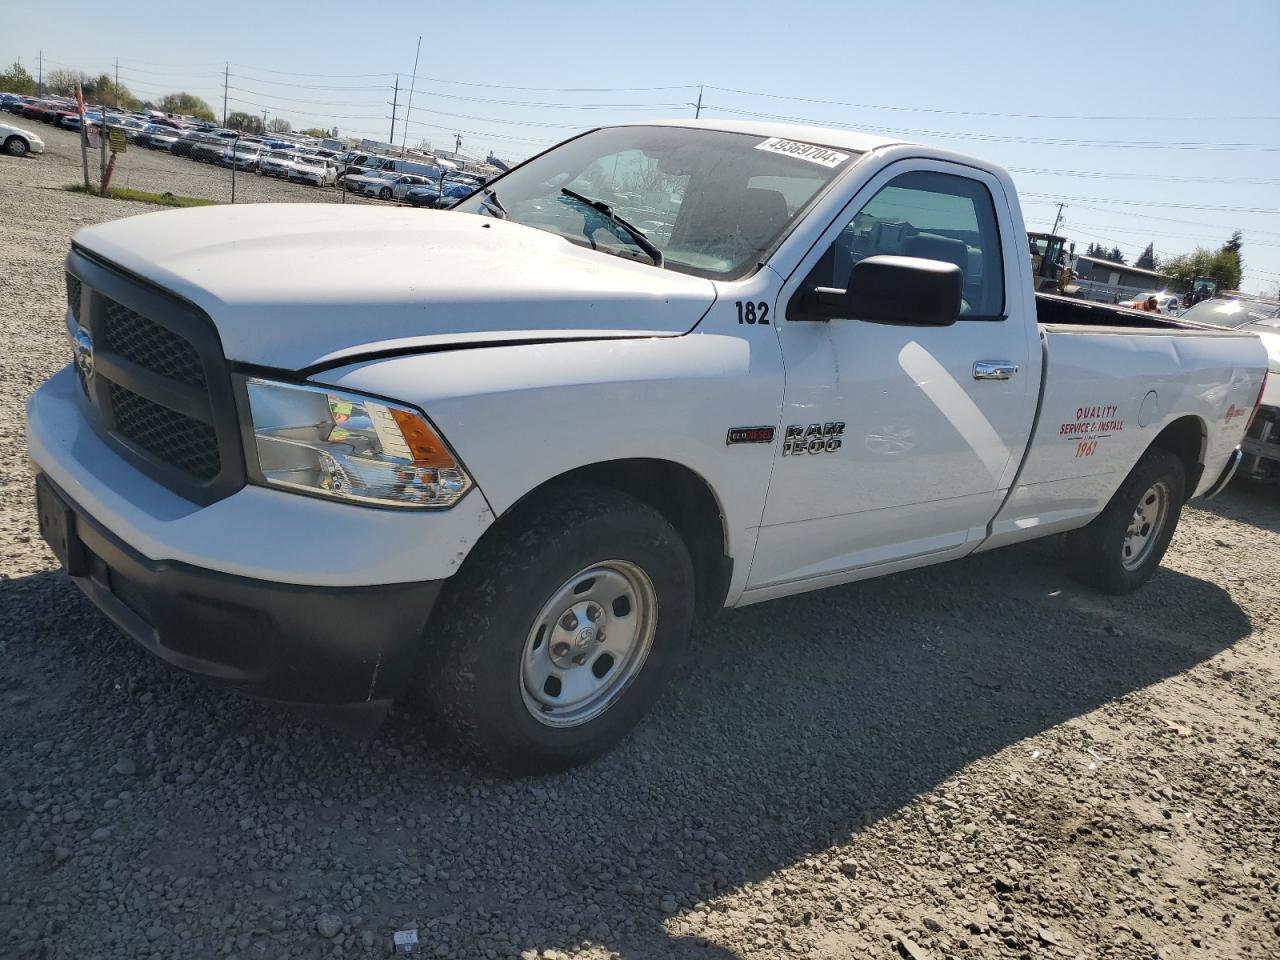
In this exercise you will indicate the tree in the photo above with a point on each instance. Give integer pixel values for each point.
(102, 89)
(1147, 259)
(279, 125)
(187, 104)
(62, 83)
(1223, 265)
(17, 80)
(318, 132)
(1231, 262)
(245, 122)
(1102, 253)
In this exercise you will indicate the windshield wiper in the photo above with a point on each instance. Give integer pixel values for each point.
(493, 205)
(638, 235)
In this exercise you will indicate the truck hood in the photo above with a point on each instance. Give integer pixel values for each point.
(296, 285)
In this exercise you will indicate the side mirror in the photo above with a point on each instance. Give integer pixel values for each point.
(910, 291)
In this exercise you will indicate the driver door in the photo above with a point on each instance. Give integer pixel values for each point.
(915, 453)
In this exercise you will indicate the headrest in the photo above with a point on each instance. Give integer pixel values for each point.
(932, 246)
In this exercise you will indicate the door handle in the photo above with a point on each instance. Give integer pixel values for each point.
(993, 369)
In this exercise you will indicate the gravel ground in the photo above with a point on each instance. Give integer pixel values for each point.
(976, 760)
(159, 172)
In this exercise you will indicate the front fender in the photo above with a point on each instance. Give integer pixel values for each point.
(519, 416)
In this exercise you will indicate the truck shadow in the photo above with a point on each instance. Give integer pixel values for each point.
(1247, 501)
(796, 724)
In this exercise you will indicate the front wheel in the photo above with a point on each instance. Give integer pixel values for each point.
(16, 147)
(561, 630)
(384, 194)
(1120, 550)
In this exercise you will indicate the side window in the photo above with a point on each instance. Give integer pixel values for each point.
(937, 216)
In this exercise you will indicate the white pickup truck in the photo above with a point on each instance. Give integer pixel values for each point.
(511, 453)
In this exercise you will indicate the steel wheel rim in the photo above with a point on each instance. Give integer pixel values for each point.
(588, 643)
(1144, 529)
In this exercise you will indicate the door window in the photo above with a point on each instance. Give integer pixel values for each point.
(936, 216)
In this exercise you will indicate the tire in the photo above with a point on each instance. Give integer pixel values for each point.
(16, 147)
(384, 193)
(502, 616)
(1121, 548)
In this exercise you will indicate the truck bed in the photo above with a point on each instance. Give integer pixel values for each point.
(1055, 310)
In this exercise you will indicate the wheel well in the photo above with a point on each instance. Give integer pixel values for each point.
(683, 498)
(1185, 439)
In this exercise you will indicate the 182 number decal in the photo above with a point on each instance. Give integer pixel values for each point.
(753, 313)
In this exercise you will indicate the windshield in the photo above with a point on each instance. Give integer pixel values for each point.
(1231, 313)
(713, 202)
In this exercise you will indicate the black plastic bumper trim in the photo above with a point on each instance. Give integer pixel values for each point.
(309, 646)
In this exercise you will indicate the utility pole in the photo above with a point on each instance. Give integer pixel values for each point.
(39, 74)
(697, 107)
(264, 121)
(405, 136)
(1057, 220)
(457, 144)
(117, 83)
(395, 99)
(226, 73)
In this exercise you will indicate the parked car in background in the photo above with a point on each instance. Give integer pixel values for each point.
(19, 141)
(131, 126)
(368, 183)
(158, 137)
(314, 170)
(209, 148)
(1258, 315)
(358, 164)
(1166, 302)
(183, 146)
(427, 195)
(397, 187)
(276, 163)
(243, 155)
(40, 110)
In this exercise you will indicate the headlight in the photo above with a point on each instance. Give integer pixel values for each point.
(351, 447)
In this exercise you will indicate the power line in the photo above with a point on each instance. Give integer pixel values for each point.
(998, 138)
(1154, 177)
(1152, 203)
(981, 113)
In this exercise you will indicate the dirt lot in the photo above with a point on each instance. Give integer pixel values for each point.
(159, 172)
(978, 760)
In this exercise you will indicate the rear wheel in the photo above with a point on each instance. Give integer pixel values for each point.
(1120, 550)
(16, 147)
(561, 631)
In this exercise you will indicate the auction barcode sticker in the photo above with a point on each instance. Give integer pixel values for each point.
(824, 156)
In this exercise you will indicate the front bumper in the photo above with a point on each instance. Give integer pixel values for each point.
(347, 649)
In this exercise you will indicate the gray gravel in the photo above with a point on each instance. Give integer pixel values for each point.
(977, 760)
(161, 172)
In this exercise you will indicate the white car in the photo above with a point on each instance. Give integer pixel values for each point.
(400, 185)
(277, 163)
(314, 170)
(580, 440)
(369, 184)
(19, 141)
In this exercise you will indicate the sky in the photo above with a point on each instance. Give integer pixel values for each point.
(1153, 122)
